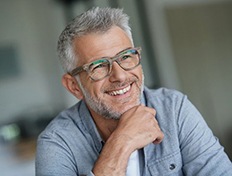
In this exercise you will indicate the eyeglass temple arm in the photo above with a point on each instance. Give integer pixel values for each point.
(76, 71)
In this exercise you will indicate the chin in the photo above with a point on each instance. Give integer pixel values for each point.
(115, 113)
(125, 108)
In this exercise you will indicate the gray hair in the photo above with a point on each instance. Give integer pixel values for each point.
(95, 20)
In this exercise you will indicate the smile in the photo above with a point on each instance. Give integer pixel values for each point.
(120, 92)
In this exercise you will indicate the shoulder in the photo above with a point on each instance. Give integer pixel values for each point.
(66, 121)
(173, 109)
(163, 97)
(162, 93)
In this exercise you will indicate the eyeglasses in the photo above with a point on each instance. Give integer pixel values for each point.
(127, 59)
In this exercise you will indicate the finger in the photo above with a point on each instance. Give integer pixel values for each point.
(151, 110)
(159, 138)
(157, 126)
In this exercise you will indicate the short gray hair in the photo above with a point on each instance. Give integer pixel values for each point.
(95, 20)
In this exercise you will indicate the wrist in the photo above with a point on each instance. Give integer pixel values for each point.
(114, 157)
(122, 142)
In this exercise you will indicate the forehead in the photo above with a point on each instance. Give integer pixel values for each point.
(96, 45)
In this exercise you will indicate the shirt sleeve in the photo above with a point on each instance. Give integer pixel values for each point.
(202, 153)
(53, 157)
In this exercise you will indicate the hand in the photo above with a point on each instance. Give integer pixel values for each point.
(136, 128)
(139, 127)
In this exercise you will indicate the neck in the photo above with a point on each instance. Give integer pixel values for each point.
(105, 126)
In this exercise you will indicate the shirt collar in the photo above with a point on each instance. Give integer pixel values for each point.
(90, 126)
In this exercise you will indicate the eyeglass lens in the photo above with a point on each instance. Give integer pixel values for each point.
(128, 60)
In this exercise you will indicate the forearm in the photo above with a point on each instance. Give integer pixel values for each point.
(114, 157)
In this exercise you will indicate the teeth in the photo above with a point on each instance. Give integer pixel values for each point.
(120, 92)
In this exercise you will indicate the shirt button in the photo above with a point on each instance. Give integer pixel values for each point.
(172, 166)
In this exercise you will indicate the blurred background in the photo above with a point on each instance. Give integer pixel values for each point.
(187, 45)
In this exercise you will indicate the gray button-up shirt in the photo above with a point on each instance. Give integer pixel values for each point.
(71, 144)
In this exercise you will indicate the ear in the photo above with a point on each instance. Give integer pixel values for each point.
(71, 84)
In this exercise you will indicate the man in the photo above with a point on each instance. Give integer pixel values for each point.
(121, 127)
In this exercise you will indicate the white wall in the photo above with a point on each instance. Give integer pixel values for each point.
(193, 41)
(32, 27)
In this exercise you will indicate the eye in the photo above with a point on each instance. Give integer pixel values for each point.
(124, 57)
(97, 65)
(129, 54)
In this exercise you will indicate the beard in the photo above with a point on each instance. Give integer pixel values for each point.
(108, 111)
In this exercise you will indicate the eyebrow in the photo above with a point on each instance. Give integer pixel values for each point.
(120, 52)
(100, 60)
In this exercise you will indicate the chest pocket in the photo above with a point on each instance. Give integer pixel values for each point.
(170, 165)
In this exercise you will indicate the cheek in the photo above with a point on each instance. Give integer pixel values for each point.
(138, 72)
(93, 88)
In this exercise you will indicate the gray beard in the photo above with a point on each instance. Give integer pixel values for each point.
(100, 107)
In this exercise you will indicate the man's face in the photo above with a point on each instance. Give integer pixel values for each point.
(118, 92)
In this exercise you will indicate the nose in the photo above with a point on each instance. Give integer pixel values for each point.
(117, 74)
